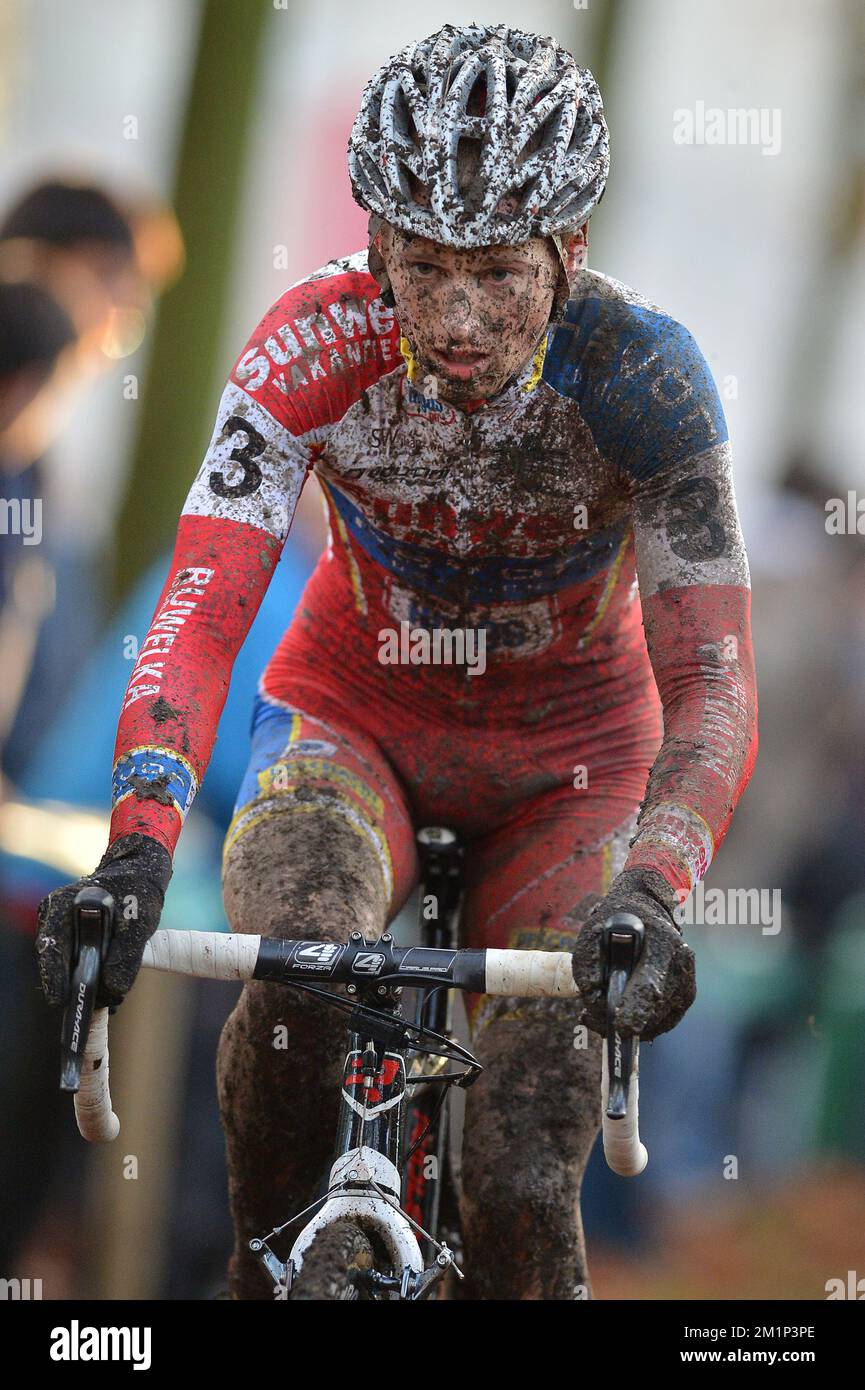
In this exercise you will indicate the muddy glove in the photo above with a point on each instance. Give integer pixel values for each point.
(663, 985)
(136, 871)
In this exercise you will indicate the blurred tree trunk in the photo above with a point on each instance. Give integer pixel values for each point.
(594, 41)
(608, 18)
(822, 297)
(176, 412)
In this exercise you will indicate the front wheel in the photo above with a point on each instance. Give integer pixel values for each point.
(334, 1265)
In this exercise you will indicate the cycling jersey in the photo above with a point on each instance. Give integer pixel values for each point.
(520, 527)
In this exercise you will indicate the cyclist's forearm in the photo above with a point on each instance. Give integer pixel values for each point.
(703, 662)
(177, 689)
(696, 600)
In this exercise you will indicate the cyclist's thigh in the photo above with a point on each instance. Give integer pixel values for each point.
(533, 1118)
(321, 839)
(320, 845)
(533, 882)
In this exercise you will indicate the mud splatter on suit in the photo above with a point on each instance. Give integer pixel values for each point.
(447, 518)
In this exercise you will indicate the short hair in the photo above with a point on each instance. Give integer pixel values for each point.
(64, 214)
(34, 329)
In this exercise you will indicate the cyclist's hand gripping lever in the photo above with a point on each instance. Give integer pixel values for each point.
(623, 938)
(84, 1036)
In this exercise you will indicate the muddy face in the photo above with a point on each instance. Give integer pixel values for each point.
(473, 318)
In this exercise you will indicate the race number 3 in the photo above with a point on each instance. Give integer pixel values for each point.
(251, 480)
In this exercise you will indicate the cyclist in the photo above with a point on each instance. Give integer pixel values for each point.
(506, 441)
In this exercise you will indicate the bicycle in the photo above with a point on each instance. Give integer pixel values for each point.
(364, 1241)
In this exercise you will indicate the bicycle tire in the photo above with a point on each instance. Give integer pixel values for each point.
(331, 1264)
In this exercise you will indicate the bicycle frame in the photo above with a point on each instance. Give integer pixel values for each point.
(427, 1123)
(365, 1183)
(366, 1179)
(383, 1133)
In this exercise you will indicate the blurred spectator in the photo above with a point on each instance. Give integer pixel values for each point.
(34, 330)
(34, 333)
(77, 243)
(102, 263)
(73, 296)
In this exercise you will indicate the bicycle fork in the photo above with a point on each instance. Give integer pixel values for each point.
(365, 1184)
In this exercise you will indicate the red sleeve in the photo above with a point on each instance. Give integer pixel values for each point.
(175, 697)
(699, 640)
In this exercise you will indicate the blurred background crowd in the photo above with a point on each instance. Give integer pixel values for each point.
(167, 171)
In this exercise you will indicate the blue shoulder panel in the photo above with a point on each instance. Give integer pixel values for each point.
(642, 385)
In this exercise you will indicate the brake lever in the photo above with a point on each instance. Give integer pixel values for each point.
(92, 917)
(623, 937)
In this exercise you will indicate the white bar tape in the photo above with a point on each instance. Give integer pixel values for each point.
(210, 955)
(97, 1121)
(530, 974)
(624, 1152)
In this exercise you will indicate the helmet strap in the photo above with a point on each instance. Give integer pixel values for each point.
(567, 275)
(375, 260)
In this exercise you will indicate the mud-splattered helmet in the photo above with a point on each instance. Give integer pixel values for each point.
(479, 136)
